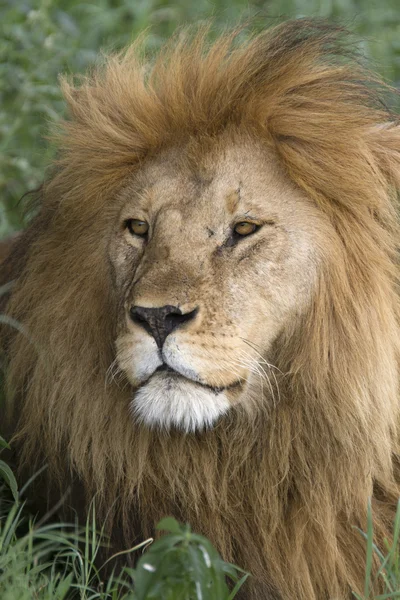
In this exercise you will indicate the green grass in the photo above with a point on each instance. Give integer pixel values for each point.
(57, 561)
(389, 562)
(53, 561)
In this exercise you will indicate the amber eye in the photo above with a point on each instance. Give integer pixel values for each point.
(245, 228)
(137, 227)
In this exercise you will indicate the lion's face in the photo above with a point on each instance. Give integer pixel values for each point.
(213, 254)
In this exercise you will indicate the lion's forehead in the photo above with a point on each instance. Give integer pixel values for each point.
(241, 179)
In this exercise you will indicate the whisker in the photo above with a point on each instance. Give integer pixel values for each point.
(254, 347)
(265, 375)
(114, 374)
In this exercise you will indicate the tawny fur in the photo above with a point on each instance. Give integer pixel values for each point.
(279, 493)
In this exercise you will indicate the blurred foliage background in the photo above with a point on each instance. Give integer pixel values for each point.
(43, 38)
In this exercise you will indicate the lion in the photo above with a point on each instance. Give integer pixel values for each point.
(209, 306)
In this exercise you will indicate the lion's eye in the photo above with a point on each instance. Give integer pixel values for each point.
(245, 228)
(137, 227)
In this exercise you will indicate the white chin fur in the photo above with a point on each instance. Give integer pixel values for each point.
(168, 400)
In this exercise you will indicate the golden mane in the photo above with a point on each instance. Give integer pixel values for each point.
(279, 494)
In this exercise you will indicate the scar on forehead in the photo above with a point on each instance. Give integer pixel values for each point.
(232, 201)
(201, 178)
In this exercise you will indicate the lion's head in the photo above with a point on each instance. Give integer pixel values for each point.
(209, 294)
(214, 254)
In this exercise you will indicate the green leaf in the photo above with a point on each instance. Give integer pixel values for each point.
(3, 443)
(147, 574)
(201, 574)
(238, 586)
(64, 587)
(170, 524)
(8, 476)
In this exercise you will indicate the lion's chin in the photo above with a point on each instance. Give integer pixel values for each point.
(169, 400)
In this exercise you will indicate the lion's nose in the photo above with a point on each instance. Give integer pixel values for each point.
(160, 322)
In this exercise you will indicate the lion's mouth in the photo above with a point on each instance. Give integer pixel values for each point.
(165, 368)
(173, 394)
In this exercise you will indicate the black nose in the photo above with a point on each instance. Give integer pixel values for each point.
(159, 322)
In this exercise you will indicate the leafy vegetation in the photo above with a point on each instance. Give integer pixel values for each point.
(57, 560)
(184, 565)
